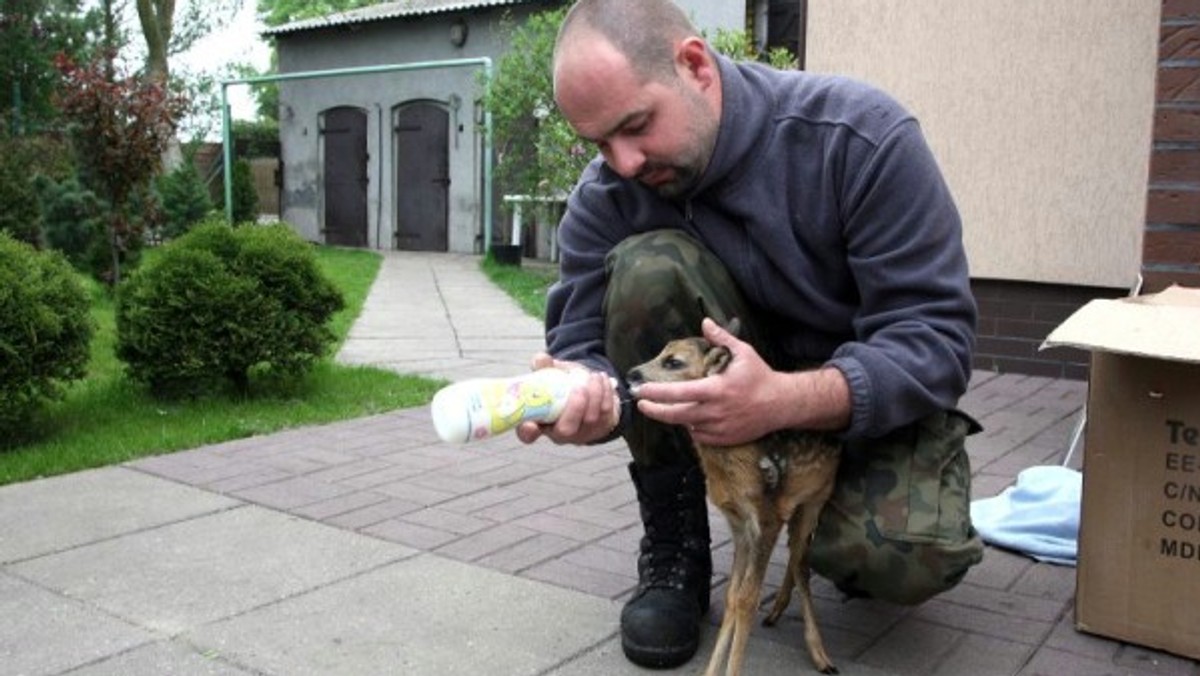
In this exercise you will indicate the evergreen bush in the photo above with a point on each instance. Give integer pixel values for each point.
(45, 331)
(245, 197)
(221, 304)
(184, 199)
(21, 160)
(72, 221)
(18, 204)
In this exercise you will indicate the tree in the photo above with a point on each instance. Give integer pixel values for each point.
(23, 159)
(266, 94)
(739, 45)
(167, 33)
(31, 33)
(277, 13)
(185, 199)
(120, 127)
(157, 18)
(537, 152)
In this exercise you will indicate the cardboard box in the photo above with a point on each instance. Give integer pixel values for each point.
(1138, 576)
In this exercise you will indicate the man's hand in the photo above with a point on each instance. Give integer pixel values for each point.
(591, 412)
(749, 399)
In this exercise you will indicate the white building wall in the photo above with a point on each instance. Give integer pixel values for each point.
(1039, 112)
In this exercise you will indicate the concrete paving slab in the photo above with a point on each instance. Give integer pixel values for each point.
(262, 589)
(177, 658)
(177, 576)
(440, 317)
(56, 514)
(425, 615)
(763, 656)
(42, 632)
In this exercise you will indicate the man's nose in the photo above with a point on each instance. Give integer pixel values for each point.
(625, 158)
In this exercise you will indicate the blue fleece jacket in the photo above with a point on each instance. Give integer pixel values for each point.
(827, 207)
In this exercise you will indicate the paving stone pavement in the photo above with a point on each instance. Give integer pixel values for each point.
(369, 547)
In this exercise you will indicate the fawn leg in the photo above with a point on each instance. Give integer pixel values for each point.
(784, 597)
(739, 527)
(798, 543)
(758, 554)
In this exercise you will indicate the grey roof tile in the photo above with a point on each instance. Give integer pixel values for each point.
(387, 10)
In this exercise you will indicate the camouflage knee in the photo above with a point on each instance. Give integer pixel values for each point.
(898, 526)
(661, 284)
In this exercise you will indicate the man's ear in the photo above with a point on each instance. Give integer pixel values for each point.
(695, 63)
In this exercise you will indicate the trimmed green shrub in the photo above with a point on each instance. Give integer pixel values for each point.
(221, 304)
(45, 331)
(184, 198)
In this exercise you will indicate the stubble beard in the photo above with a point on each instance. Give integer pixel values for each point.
(687, 169)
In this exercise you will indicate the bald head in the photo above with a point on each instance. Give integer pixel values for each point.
(645, 32)
(634, 77)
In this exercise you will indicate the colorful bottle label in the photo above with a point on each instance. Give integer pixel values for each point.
(501, 405)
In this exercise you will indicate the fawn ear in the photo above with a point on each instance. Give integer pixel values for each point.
(716, 359)
(734, 326)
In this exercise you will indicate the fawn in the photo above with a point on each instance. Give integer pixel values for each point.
(783, 478)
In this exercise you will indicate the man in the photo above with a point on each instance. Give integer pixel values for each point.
(811, 208)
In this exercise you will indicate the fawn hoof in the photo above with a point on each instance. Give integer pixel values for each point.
(829, 670)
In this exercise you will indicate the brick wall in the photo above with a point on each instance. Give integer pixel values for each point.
(1171, 249)
(1014, 319)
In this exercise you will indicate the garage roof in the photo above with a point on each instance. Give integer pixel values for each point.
(387, 10)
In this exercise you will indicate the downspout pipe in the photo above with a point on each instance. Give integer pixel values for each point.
(478, 62)
(379, 182)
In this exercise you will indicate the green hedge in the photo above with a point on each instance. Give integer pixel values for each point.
(220, 304)
(45, 331)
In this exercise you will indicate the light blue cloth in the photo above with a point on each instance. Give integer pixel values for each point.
(1038, 516)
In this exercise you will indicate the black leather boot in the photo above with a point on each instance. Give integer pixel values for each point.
(660, 625)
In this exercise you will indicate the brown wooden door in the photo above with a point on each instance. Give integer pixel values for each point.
(344, 134)
(422, 176)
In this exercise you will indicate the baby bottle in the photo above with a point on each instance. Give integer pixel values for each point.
(484, 407)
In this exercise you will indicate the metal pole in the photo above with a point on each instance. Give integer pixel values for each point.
(487, 161)
(226, 153)
(483, 61)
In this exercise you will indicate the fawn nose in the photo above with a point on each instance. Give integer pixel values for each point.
(635, 377)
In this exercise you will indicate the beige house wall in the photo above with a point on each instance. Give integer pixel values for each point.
(1039, 112)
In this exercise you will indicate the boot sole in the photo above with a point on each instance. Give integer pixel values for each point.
(658, 658)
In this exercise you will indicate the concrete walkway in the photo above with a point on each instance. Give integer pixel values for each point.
(368, 547)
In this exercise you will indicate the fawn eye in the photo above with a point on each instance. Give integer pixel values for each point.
(672, 364)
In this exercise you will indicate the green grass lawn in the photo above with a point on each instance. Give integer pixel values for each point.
(526, 284)
(106, 419)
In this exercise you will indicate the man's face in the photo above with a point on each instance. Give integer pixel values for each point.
(661, 134)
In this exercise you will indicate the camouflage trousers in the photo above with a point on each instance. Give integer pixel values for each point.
(898, 525)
